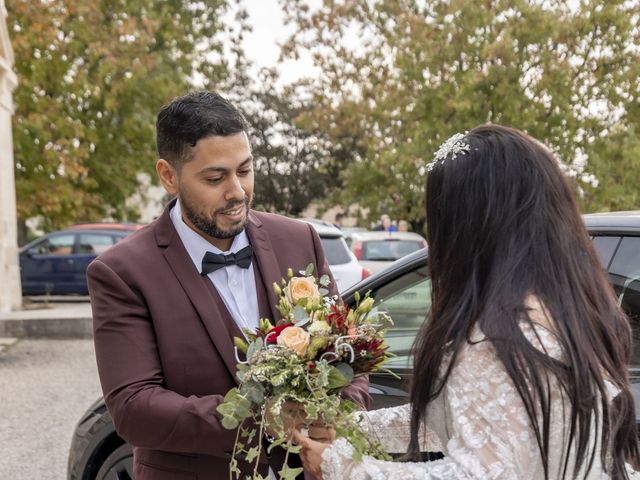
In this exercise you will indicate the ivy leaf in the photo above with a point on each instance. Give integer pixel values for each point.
(252, 454)
(294, 448)
(277, 442)
(290, 473)
(324, 280)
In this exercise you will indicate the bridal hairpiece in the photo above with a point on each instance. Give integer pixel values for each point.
(456, 145)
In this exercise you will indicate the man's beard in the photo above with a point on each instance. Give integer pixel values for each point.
(208, 225)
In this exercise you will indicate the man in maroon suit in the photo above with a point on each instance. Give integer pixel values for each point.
(168, 300)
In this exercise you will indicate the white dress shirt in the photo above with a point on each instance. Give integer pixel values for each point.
(236, 286)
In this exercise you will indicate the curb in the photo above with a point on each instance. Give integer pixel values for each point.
(55, 328)
(54, 320)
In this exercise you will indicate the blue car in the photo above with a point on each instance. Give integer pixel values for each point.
(56, 263)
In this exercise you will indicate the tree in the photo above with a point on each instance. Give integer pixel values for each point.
(566, 73)
(291, 168)
(92, 76)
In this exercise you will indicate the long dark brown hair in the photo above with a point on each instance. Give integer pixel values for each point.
(502, 223)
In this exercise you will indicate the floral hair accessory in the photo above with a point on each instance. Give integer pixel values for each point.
(456, 145)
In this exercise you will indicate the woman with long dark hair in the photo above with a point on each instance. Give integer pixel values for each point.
(521, 368)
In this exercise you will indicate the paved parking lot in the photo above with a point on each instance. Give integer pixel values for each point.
(45, 386)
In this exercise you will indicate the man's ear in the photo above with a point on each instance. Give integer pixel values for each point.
(168, 176)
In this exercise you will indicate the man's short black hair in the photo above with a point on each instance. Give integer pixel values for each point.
(186, 119)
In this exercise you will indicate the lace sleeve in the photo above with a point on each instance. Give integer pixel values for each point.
(490, 433)
(390, 426)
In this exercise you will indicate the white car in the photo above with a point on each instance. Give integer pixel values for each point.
(343, 263)
(377, 250)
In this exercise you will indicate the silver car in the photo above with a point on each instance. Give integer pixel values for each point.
(343, 263)
(377, 250)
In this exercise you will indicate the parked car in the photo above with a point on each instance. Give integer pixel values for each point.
(347, 232)
(616, 237)
(403, 290)
(344, 265)
(109, 226)
(56, 263)
(377, 250)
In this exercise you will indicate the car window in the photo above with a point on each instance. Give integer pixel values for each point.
(407, 300)
(335, 250)
(54, 245)
(627, 260)
(387, 250)
(606, 247)
(95, 243)
(625, 278)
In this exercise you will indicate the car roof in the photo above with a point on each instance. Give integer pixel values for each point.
(107, 226)
(324, 229)
(613, 222)
(106, 231)
(364, 236)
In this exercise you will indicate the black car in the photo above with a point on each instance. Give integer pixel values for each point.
(403, 289)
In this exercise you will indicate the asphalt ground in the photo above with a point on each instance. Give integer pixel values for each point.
(45, 387)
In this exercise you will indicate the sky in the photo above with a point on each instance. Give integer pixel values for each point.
(261, 45)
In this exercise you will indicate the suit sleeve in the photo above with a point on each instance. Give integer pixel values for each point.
(145, 413)
(358, 391)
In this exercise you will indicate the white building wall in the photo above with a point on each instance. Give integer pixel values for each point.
(10, 291)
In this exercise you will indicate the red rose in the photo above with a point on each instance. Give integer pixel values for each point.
(274, 333)
(337, 316)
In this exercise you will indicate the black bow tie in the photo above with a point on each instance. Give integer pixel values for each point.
(215, 261)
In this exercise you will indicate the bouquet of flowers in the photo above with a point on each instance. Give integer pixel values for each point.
(314, 352)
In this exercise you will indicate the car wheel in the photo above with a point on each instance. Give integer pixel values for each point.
(118, 465)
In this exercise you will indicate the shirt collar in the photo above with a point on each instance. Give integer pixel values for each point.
(195, 244)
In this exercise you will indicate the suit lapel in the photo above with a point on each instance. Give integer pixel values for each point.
(210, 308)
(267, 271)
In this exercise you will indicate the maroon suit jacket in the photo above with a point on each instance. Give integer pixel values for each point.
(164, 342)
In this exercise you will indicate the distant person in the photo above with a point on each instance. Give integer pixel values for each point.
(385, 224)
(388, 225)
(403, 226)
(521, 371)
(339, 220)
(168, 300)
(380, 227)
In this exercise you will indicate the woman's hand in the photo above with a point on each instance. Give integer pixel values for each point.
(311, 453)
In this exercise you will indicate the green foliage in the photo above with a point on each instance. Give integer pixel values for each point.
(92, 76)
(340, 376)
(291, 167)
(568, 73)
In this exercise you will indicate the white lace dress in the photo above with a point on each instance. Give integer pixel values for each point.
(479, 423)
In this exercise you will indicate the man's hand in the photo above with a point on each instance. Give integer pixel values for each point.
(292, 415)
(320, 432)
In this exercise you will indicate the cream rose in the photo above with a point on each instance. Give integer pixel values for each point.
(301, 287)
(294, 338)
